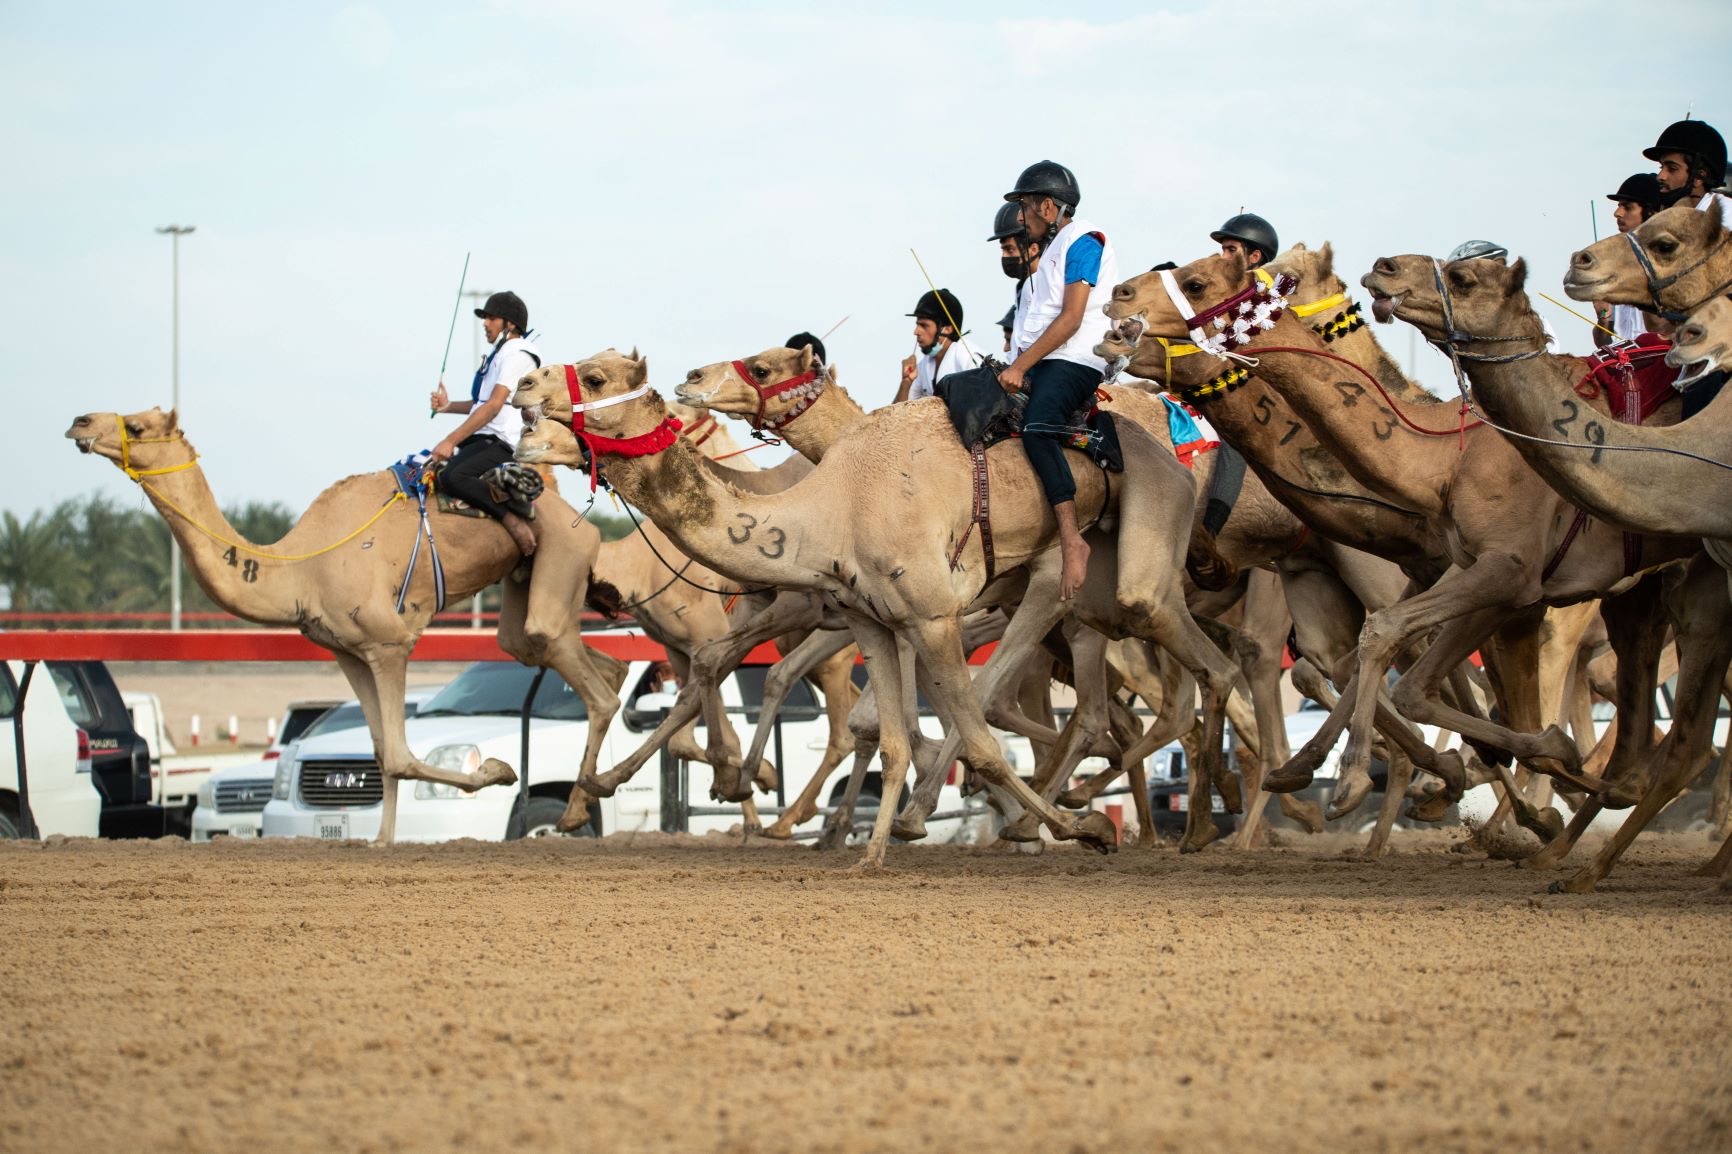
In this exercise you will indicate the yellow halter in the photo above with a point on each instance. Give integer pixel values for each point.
(126, 444)
(1175, 348)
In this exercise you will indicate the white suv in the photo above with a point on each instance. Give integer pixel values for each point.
(63, 798)
(329, 786)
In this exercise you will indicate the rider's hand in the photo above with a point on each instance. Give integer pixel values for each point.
(1010, 380)
(439, 400)
(444, 450)
(908, 364)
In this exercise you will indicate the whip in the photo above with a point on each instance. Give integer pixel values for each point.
(940, 298)
(455, 309)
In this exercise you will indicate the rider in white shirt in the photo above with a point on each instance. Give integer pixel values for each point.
(1692, 159)
(487, 438)
(941, 350)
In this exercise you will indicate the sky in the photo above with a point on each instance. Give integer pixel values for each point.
(701, 182)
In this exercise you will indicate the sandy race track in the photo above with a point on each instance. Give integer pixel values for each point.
(690, 994)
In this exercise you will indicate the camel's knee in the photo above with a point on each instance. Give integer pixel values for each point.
(1410, 698)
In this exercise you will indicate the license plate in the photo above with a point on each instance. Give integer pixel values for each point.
(243, 831)
(333, 827)
(1181, 803)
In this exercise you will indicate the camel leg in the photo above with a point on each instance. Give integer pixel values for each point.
(864, 726)
(1267, 622)
(1394, 790)
(1636, 628)
(1720, 865)
(884, 668)
(1702, 615)
(938, 646)
(819, 645)
(1086, 722)
(360, 677)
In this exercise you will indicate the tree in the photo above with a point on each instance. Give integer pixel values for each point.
(33, 561)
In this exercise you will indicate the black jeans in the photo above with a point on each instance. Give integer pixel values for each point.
(1057, 389)
(476, 454)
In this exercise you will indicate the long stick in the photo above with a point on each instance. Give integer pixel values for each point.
(939, 297)
(450, 332)
(1594, 215)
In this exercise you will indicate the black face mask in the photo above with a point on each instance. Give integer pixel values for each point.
(1014, 266)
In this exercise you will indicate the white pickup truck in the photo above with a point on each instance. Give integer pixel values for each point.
(63, 798)
(328, 786)
(176, 777)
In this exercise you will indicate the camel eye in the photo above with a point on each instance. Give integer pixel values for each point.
(595, 380)
(1193, 287)
(1665, 246)
(760, 372)
(1459, 281)
(133, 430)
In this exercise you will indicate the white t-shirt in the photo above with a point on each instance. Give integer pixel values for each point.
(516, 359)
(1725, 206)
(929, 370)
(1627, 321)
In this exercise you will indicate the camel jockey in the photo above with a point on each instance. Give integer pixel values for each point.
(1637, 199)
(1017, 256)
(1692, 160)
(487, 438)
(807, 341)
(941, 352)
(1007, 322)
(1250, 236)
(1059, 321)
(1491, 250)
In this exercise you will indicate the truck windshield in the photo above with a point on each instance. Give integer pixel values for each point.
(498, 687)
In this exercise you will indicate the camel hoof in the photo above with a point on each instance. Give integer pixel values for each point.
(1232, 796)
(1348, 794)
(1076, 797)
(1551, 825)
(1579, 883)
(780, 831)
(1025, 828)
(1307, 813)
(1195, 841)
(908, 828)
(1624, 793)
(1095, 829)
(1548, 858)
(1433, 808)
(1561, 747)
(495, 772)
(596, 786)
(868, 867)
(1287, 779)
(568, 822)
(766, 778)
(1453, 772)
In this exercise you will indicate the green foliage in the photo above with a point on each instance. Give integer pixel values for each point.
(612, 526)
(97, 555)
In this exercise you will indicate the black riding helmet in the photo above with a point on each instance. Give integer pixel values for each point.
(1008, 320)
(1643, 188)
(941, 308)
(1699, 141)
(1008, 221)
(507, 307)
(1252, 231)
(1048, 178)
(807, 341)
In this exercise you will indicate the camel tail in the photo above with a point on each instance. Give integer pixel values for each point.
(1205, 564)
(604, 598)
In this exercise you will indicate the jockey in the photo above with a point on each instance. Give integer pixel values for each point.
(487, 438)
(941, 351)
(1637, 199)
(1059, 321)
(1249, 235)
(1692, 160)
(1018, 254)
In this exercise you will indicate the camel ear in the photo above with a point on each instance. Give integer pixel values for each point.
(1326, 259)
(806, 358)
(634, 354)
(1518, 274)
(639, 368)
(1715, 217)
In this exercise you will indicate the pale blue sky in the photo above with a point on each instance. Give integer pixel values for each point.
(702, 182)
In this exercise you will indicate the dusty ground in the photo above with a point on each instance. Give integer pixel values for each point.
(690, 994)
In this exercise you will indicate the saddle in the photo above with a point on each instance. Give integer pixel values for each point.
(514, 485)
(983, 415)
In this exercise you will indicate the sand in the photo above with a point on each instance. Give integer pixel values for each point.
(689, 994)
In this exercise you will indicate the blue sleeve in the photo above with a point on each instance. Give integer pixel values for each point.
(1082, 261)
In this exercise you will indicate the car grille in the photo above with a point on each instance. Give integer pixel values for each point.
(244, 796)
(339, 783)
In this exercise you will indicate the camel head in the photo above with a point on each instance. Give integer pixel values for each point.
(547, 391)
(1485, 297)
(1143, 307)
(747, 387)
(152, 439)
(550, 443)
(1679, 241)
(1704, 342)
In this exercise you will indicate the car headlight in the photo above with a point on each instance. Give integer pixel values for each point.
(464, 758)
(285, 777)
(207, 794)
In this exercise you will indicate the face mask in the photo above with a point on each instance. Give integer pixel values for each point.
(1012, 266)
(928, 350)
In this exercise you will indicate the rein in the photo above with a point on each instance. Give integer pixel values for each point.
(126, 444)
(806, 389)
(1657, 283)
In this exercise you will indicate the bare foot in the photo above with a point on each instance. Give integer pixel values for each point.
(520, 532)
(1076, 567)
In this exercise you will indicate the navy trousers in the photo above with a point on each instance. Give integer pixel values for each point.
(1056, 389)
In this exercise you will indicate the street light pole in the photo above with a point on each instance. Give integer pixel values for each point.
(175, 231)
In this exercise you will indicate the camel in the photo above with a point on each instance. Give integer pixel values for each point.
(1505, 528)
(1306, 476)
(1258, 531)
(845, 532)
(335, 577)
(1526, 396)
(1676, 479)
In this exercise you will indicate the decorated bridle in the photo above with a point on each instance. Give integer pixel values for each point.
(1237, 319)
(126, 444)
(642, 445)
(804, 388)
(1658, 284)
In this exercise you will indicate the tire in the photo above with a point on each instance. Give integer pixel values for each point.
(8, 823)
(543, 820)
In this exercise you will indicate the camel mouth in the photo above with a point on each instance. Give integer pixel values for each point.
(688, 393)
(532, 415)
(1693, 370)
(1128, 332)
(85, 444)
(1576, 285)
(1383, 305)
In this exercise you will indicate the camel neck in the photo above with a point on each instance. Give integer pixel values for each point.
(751, 538)
(250, 587)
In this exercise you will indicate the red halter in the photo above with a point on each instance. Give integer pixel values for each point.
(804, 381)
(643, 445)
